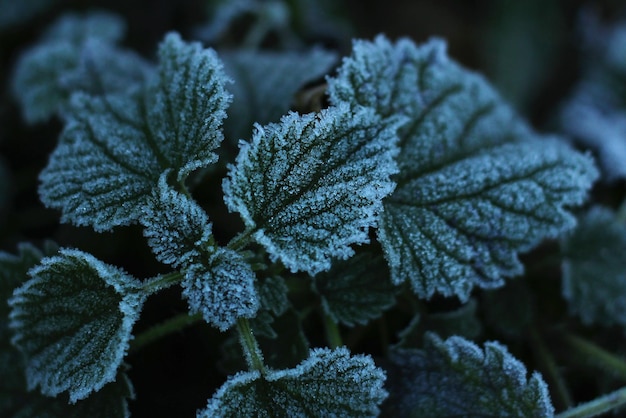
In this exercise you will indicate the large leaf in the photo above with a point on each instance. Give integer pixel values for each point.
(476, 185)
(594, 268)
(329, 383)
(72, 321)
(115, 147)
(312, 185)
(456, 378)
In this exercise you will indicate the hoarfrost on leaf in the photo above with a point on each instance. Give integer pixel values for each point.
(313, 184)
(72, 321)
(456, 377)
(476, 185)
(115, 147)
(222, 290)
(594, 270)
(330, 383)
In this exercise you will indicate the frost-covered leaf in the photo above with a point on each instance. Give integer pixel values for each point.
(72, 321)
(76, 54)
(456, 378)
(265, 84)
(476, 185)
(273, 301)
(17, 12)
(356, 290)
(594, 268)
(114, 148)
(222, 290)
(330, 383)
(312, 185)
(176, 227)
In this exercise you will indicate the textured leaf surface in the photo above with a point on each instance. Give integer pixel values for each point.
(72, 321)
(222, 290)
(312, 185)
(456, 378)
(357, 290)
(265, 84)
(476, 186)
(330, 383)
(594, 268)
(114, 148)
(176, 227)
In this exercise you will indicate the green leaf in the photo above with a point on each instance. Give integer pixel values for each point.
(312, 185)
(72, 321)
(456, 378)
(266, 84)
(114, 148)
(356, 290)
(328, 383)
(222, 290)
(476, 185)
(176, 227)
(273, 301)
(594, 270)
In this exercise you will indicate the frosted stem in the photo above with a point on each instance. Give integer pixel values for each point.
(163, 329)
(250, 346)
(333, 336)
(597, 406)
(597, 356)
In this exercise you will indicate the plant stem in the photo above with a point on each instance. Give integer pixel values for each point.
(333, 336)
(163, 329)
(597, 406)
(250, 346)
(597, 356)
(155, 284)
(241, 240)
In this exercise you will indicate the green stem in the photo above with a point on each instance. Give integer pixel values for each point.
(597, 356)
(250, 346)
(621, 212)
(163, 329)
(333, 336)
(242, 240)
(597, 406)
(156, 284)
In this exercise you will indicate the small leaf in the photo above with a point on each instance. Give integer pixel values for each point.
(329, 383)
(273, 295)
(312, 185)
(223, 290)
(72, 320)
(266, 84)
(594, 270)
(114, 148)
(176, 227)
(356, 290)
(77, 28)
(455, 377)
(476, 186)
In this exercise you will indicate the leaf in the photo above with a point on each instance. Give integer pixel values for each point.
(176, 227)
(77, 28)
(273, 301)
(329, 383)
(312, 185)
(72, 321)
(455, 378)
(356, 290)
(222, 290)
(267, 82)
(476, 186)
(594, 270)
(114, 148)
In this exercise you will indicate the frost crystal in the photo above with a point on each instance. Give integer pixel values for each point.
(455, 377)
(476, 186)
(222, 290)
(115, 147)
(312, 185)
(74, 333)
(329, 383)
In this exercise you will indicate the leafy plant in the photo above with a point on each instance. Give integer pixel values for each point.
(407, 183)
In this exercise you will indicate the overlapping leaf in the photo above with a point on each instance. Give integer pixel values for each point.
(476, 186)
(312, 185)
(115, 147)
(356, 290)
(72, 321)
(456, 378)
(594, 269)
(330, 383)
(222, 290)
